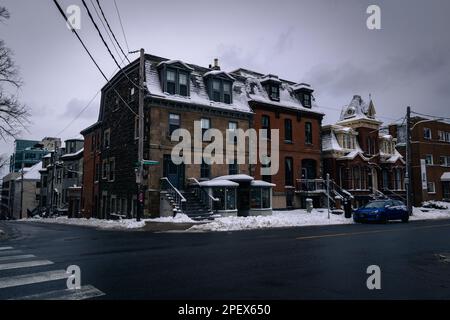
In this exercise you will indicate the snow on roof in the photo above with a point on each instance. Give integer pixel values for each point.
(352, 155)
(169, 62)
(445, 176)
(329, 142)
(235, 177)
(261, 184)
(385, 136)
(300, 86)
(218, 183)
(198, 93)
(270, 77)
(358, 109)
(246, 87)
(68, 155)
(32, 173)
(216, 73)
(48, 155)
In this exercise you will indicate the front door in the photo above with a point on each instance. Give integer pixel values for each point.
(446, 190)
(173, 172)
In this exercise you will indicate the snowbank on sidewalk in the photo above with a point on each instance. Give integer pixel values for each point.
(179, 218)
(92, 222)
(427, 214)
(279, 219)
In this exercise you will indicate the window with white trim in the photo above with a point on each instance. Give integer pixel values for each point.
(429, 159)
(427, 133)
(431, 187)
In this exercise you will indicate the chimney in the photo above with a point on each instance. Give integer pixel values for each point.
(216, 64)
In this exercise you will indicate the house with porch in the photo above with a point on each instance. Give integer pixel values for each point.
(361, 157)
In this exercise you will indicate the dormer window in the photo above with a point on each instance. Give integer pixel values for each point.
(274, 92)
(175, 77)
(219, 85)
(303, 92)
(171, 83)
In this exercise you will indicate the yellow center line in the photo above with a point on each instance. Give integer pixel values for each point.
(367, 232)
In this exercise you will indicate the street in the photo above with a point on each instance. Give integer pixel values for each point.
(327, 262)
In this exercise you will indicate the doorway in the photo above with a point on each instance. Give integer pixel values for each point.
(173, 172)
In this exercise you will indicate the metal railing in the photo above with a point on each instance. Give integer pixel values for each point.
(205, 198)
(174, 194)
(311, 185)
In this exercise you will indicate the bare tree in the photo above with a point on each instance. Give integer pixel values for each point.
(13, 114)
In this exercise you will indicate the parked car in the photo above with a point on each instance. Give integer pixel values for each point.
(382, 211)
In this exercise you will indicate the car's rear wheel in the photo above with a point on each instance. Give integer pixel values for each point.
(405, 219)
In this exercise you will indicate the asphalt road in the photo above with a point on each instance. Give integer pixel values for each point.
(292, 263)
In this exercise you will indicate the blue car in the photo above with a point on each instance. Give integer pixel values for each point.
(382, 211)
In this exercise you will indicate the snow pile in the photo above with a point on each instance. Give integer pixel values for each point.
(427, 214)
(432, 204)
(92, 222)
(179, 218)
(279, 219)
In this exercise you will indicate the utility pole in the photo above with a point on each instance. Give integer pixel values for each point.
(139, 175)
(408, 162)
(21, 192)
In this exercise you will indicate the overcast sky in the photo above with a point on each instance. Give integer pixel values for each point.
(322, 42)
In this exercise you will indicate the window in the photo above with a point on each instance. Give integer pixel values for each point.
(227, 92)
(260, 198)
(427, 133)
(288, 130)
(232, 127)
(132, 92)
(429, 159)
(447, 136)
(233, 168)
(171, 84)
(356, 178)
(205, 170)
(105, 169)
(265, 124)
(205, 124)
(174, 122)
(216, 90)
(112, 168)
(97, 172)
(288, 172)
(306, 100)
(106, 138)
(444, 161)
(308, 133)
(183, 82)
(441, 135)
(274, 92)
(431, 187)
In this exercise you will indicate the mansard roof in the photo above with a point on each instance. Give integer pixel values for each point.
(358, 109)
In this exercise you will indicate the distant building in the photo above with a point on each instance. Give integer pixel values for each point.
(26, 154)
(7, 198)
(27, 192)
(430, 157)
(61, 179)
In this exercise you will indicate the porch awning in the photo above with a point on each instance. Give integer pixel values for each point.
(445, 176)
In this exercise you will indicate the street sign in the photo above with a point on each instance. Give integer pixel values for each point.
(150, 162)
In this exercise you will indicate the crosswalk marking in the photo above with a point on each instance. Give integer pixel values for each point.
(9, 252)
(5, 248)
(22, 256)
(25, 264)
(86, 292)
(32, 278)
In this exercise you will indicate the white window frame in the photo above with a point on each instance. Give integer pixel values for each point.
(432, 189)
(427, 136)
(429, 156)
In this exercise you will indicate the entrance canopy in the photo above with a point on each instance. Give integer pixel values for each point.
(445, 177)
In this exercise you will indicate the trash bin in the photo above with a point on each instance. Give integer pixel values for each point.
(309, 205)
(348, 208)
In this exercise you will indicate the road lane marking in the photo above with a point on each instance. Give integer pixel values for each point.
(22, 256)
(86, 292)
(25, 264)
(343, 234)
(5, 248)
(39, 277)
(10, 252)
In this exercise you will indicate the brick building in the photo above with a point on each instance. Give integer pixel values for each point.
(176, 95)
(430, 144)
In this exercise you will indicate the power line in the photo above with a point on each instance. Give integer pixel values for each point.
(109, 27)
(90, 55)
(431, 116)
(121, 26)
(106, 45)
